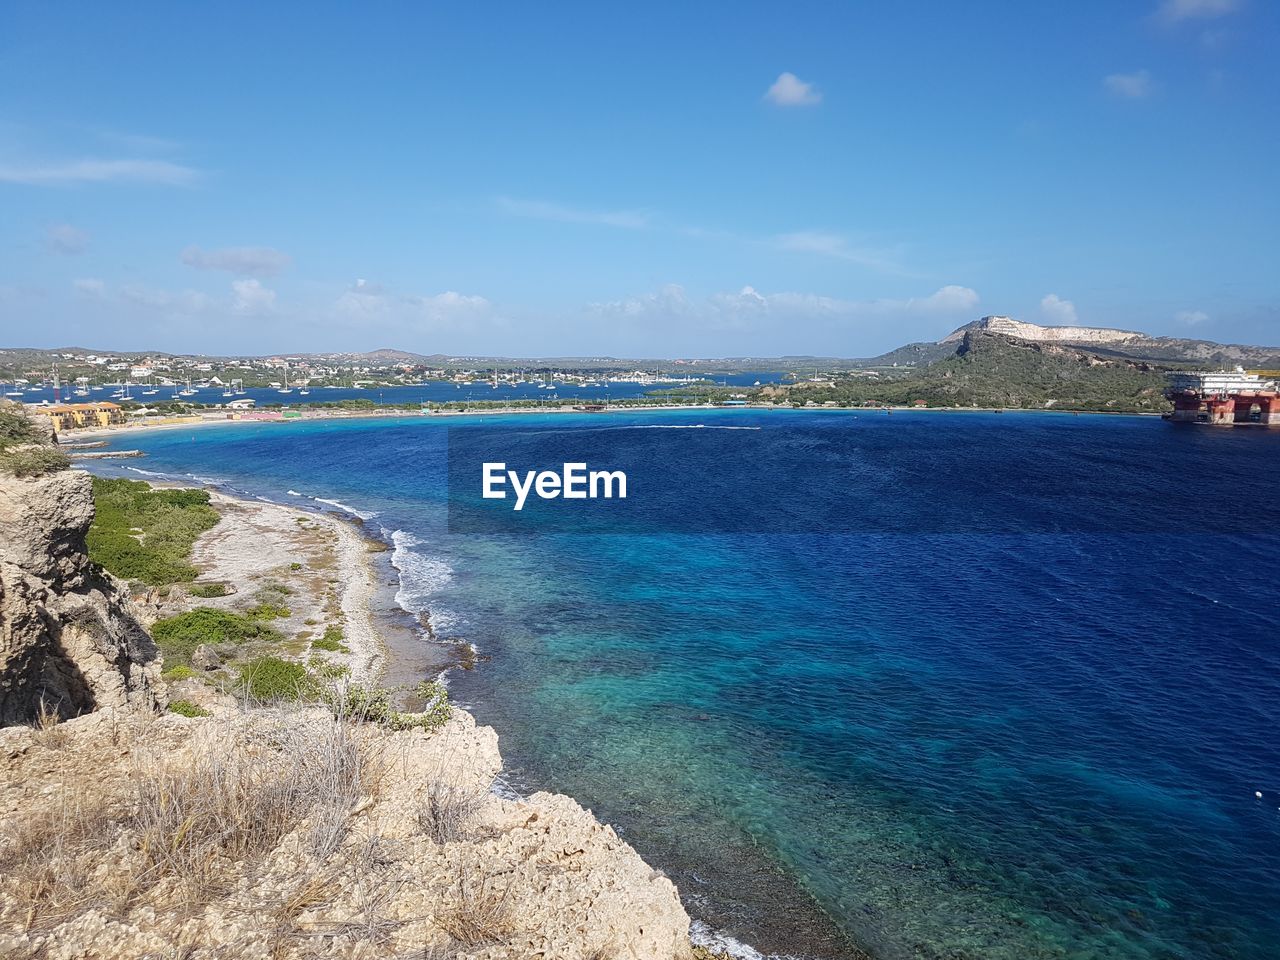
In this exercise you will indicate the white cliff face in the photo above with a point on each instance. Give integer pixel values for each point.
(69, 636)
(1007, 326)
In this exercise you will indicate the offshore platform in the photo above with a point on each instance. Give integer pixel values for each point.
(1224, 399)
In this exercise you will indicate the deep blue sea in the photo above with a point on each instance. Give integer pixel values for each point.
(1006, 690)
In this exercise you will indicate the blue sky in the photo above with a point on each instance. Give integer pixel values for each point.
(649, 179)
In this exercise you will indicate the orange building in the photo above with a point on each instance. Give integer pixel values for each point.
(69, 416)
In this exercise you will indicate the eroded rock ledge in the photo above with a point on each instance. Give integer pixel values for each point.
(70, 641)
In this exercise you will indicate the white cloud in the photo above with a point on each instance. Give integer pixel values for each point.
(1058, 311)
(449, 306)
(100, 171)
(182, 301)
(837, 246)
(748, 308)
(1133, 86)
(246, 261)
(790, 91)
(64, 238)
(544, 210)
(369, 305)
(250, 296)
(1192, 317)
(1174, 11)
(90, 287)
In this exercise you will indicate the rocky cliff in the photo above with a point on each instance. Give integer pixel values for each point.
(282, 833)
(1035, 333)
(69, 638)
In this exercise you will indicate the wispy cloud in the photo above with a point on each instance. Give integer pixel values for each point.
(246, 261)
(369, 304)
(545, 210)
(138, 142)
(185, 302)
(90, 287)
(1174, 11)
(790, 91)
(840, 248)
(65, 239)
(1058, 311)
(1192, 317)
(1132, 86)
(749, 308)
(160, 172)
(251, 297)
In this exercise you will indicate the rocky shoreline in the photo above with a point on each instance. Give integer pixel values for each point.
(284, 831)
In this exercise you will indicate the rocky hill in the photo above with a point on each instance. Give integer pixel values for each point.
(1099, 341)
(1034, 332)
(986, 369)
(70, 640)
(1126, 344)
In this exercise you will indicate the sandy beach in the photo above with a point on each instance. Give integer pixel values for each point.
(323, 561)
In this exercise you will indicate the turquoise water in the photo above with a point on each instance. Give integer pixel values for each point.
(912, 736)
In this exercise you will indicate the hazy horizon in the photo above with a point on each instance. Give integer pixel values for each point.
(656, 182)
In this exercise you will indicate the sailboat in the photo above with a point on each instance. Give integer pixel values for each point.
(303, 391)
(152, 389)
(15, 392)
(286, 388)
(189, 392)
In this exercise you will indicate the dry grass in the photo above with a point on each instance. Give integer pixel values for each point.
(236, 801)
(480, 913)
(48, 861)
(447, 813)
(49, 732)
(188, 830)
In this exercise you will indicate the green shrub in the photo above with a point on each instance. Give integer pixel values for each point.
(178, 636)
(331, 641)
(178, 672)
(269, 679)
(373, 705)
(325, 671)
(295, 566)
(16, 427)
(143, 534)
(268, 611)
(185, 708)
(33, 461)
(207, 591)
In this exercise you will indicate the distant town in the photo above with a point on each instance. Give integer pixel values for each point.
(995, 362)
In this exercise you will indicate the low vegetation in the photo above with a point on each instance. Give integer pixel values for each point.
(989, 370)
(177, 637)
(272, 679)
(24, 451)
(269, 679)
(185, 708)
(331, 641)
(208, 591)
(145, 535)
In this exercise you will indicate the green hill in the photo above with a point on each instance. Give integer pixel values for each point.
(990, 370)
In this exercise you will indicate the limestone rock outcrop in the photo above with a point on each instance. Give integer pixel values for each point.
(1035, 333)
(394, 869)
(69, 638)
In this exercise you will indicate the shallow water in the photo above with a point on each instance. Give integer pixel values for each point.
(915, 737)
